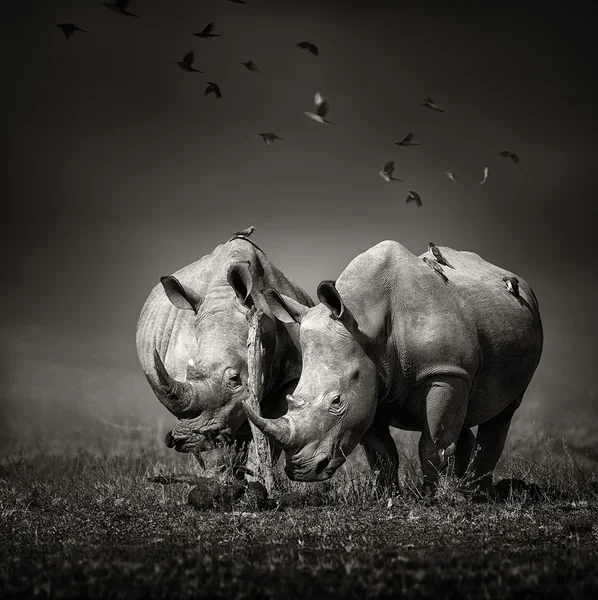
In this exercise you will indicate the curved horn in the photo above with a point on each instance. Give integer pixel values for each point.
(280, 430)
(179, 397)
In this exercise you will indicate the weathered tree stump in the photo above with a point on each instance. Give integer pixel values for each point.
(264, 471)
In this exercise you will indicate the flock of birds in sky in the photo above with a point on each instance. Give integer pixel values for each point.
(322, 104)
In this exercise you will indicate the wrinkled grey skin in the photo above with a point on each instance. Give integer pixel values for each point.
(200, 313)
(393, 345)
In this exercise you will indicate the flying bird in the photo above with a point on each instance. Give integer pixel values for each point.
(245, 232)
(451, 175)
(428, 102)
(436, 267)
(187, 62)
(213, 88)
(387, 172)
(68, 29)
(206, 32)
(414, 197)
(485, 175)
(251, 66)
(512, 284)
(407, 141)
(510, 155)
(309, 46)
(438, 255)
(269, 137)
(120, 6)
(322, 108)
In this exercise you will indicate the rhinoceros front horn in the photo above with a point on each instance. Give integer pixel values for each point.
(178, 396)
(279, 430)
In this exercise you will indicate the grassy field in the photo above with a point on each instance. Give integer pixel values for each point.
(80, 519)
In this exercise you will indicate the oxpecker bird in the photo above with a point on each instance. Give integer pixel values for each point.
(213, 88)
(251, 66)
(269, 137)
(387, 172)
(120, 6)
(68, 29)
(512, 284)
(206, 32)
(438, 255)
(437, 268)
(407, 141)
(451, 175)
(245, 232)
(510, 155)
(309, 46)
(322, 109)
(428, 102)
(414, 197)
(187, 62)
(485, 175)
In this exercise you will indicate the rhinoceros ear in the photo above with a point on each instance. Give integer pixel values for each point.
(285, 309)
(181, 296)
(239, 278)
(329, 296)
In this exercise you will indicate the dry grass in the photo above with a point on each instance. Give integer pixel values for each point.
(79, 519)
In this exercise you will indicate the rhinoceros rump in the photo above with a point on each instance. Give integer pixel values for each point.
(391, 344)
(192, 343)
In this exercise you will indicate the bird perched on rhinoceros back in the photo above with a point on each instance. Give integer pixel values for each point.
(512, 284)
(435, 251)
(192, 344)
(436, 268)
(387, 347)
(244, 232)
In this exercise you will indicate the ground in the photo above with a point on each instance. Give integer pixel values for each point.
(80, 519)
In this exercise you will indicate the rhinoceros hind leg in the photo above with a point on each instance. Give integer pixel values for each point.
(490, 443)
(382, 456)
(464, 451)
(445, 400)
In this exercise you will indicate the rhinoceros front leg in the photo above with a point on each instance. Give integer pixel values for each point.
(445, 401)
(382, 455)
(490, 443)
(464, 451)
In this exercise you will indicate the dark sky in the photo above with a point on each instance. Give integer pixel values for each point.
(119, 170)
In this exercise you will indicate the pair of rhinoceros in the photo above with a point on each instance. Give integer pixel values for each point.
(390, 344)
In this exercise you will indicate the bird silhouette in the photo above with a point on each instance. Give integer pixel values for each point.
(438, 255)
(322, 109)
(510, 155)
(68, 29)
(407, 141)
(120, 6)
(428, 102)
(309, 46)
(206, 32)
(451, 175)
(437, 268)
(485, 171)
(245, 232)
(414, 197)
(387, 172)
(187, 62)
(269, 137)
(213, 88)
(512, 285)
(251, 66)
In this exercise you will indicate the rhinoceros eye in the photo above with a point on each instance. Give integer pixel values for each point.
(336, 401)
(235, 379)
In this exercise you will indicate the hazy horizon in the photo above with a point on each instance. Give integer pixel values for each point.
(121, 170)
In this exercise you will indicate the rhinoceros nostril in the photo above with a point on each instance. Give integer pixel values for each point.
(169, 439)
(322, 464)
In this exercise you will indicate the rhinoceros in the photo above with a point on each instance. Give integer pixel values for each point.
(392, 344)
(192, 344)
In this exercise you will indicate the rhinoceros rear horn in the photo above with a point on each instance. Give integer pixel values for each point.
(177, 396)
(279, 430)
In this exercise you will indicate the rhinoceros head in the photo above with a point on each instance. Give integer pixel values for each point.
(335, 400)
(208, 402)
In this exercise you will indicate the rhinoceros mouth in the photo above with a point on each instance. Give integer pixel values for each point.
(199, 441)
